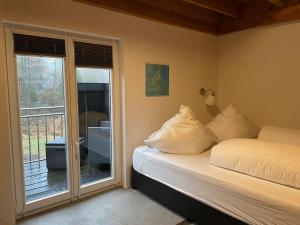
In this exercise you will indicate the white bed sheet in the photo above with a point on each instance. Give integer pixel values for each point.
(252, 200)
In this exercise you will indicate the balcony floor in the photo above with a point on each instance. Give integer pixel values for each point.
(41, 182)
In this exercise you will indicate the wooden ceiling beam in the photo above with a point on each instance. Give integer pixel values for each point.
(138, 8)
(278, 3)
(209, 16)
(225, 7)
(271, 15)
(184, 8)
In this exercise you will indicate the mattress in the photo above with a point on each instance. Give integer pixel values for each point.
(249, 199)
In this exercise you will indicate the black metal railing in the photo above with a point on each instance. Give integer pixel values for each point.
(40, 125)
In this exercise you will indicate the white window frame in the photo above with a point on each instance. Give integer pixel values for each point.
(75, 192)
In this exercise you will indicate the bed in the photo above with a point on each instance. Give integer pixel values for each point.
(210, 195)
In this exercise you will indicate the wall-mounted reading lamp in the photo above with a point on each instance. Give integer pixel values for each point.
(209, 96)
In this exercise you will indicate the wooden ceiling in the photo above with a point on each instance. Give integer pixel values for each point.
(211, 16)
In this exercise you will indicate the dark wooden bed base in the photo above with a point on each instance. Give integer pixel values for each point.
(182, 204)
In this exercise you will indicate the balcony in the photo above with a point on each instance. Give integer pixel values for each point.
(40, 127)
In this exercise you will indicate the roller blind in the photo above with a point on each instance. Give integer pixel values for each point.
(28, 44)
(93, 55)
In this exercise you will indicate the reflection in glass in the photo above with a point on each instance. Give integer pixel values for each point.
(94, 123)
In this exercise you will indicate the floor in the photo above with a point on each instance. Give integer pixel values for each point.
(116, 207)
(41, 182)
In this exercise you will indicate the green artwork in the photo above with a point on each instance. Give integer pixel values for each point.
(157, 80)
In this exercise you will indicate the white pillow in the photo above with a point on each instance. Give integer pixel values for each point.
(231, 124)
(275, 162)
(182, 134)
(280, 135)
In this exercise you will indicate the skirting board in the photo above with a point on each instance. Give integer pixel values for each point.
(187, 207)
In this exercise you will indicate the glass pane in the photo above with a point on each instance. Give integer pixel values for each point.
(42, 107)
(92, 75)
(94, 124)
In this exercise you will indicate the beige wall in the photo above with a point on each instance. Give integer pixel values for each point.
(259, 71)
(192, 57)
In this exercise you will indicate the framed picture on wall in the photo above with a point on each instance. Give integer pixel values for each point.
(157, 80)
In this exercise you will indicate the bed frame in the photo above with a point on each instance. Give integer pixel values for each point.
(182, 204)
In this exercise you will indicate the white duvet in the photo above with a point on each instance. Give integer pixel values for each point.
(252, 200)
(274, 162)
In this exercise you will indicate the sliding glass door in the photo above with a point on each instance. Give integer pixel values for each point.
(64, 118)
(96, 116)
(40, 120)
